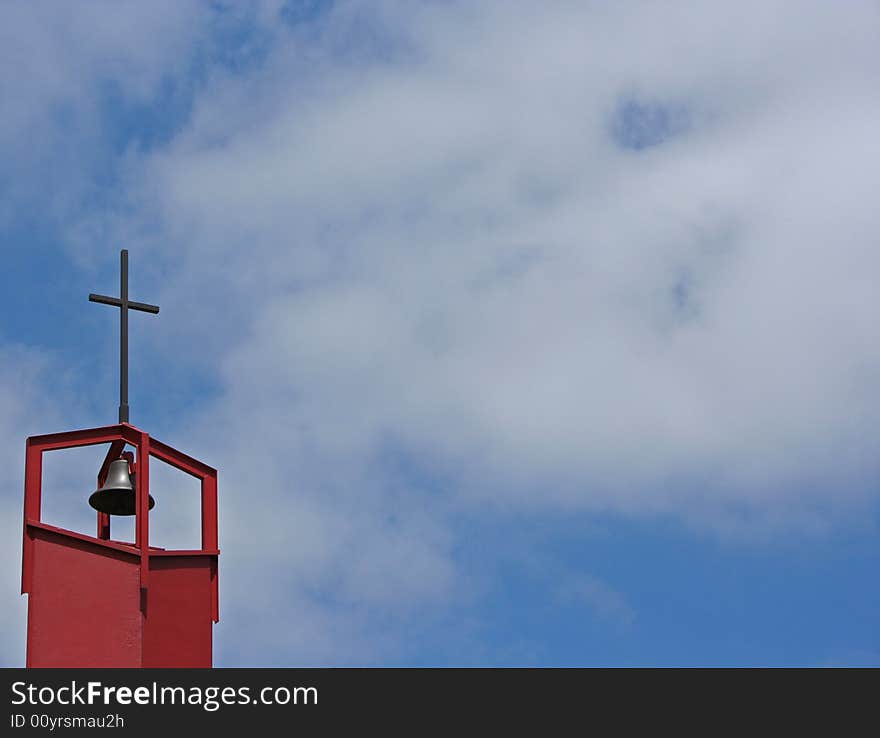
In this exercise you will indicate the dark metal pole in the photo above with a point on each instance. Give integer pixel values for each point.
(123, 338)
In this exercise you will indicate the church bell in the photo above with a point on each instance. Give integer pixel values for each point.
(116, 496)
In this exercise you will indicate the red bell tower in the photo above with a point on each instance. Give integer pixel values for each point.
(96, 602)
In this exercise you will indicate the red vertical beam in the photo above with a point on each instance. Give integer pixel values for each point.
(33, 475)
(103, 525)
(209, 513)
(103, 518)
(142, 523)
(209, 535)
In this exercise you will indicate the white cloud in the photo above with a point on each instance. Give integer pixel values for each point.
(440, 253)
(58, 60)
(445, 251)
(452, 250)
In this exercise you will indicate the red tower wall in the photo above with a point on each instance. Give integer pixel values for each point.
(89, 609)
(86, 611)
(177, 627)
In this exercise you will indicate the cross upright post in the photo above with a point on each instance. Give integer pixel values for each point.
(124, 305)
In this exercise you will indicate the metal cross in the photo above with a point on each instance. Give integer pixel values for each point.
(124, 304)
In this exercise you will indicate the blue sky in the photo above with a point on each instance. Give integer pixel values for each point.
(520, 334)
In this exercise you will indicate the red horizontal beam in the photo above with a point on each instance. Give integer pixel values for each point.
(183, 553)
(128, 548)
(116, 546)
(180, 460)
(85, 437)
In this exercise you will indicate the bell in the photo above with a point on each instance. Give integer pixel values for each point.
(116, 496)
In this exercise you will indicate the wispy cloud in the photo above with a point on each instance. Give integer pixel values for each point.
(531, 257)
(600, 598)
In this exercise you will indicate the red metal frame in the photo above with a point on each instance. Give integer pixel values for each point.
(118, 436)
